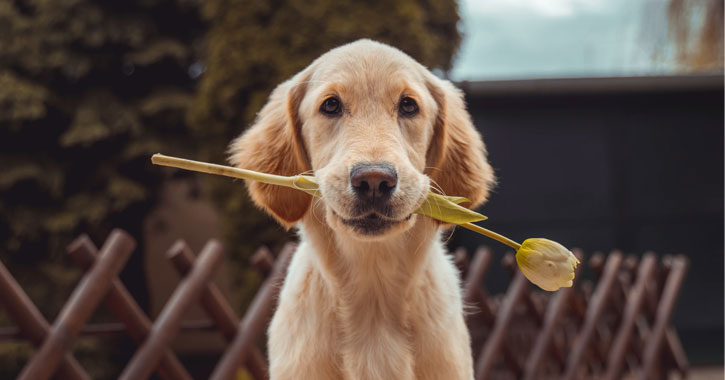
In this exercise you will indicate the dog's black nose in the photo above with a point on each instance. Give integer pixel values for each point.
(374, 181)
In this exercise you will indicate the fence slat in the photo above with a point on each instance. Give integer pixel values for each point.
(31, 322)
(83, 301)
(263, 261)
(671, 290)
(496, 341)
(255, 319)
(544, 340)
(678, 353)
(121, 303)
(594, 312)
(472, 293)
(632, 309)
(218, 308)
(167, 324)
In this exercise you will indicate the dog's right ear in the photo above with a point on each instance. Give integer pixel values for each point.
(274, 145)
(457, 159)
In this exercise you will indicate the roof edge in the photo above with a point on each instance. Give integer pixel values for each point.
(593, 85)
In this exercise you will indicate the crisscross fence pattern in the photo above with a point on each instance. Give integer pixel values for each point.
(617, 324)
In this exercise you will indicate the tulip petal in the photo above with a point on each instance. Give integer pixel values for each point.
(546, 263)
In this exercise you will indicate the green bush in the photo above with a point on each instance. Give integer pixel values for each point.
(90, 89)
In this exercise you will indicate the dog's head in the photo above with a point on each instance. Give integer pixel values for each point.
(378, 130)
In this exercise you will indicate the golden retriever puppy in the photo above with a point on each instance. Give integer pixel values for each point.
(370, 293)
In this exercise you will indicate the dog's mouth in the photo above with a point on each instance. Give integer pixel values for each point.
(372, 223)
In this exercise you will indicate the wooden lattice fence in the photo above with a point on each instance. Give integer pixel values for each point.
(603, 329)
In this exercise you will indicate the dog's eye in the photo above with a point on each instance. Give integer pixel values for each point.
(331, 106)
(408, 107)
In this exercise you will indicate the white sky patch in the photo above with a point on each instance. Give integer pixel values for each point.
(548, 8)
(507, 39)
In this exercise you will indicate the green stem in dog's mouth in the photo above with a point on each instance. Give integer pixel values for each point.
(544, 262)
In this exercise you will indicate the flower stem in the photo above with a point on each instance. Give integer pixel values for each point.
(205, 167)
(492, 235)
(301, 183)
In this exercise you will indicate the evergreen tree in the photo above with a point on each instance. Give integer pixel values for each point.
(88, 90)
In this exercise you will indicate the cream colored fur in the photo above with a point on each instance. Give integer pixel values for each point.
(355, 306)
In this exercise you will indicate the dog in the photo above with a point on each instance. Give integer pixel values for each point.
(370, 293)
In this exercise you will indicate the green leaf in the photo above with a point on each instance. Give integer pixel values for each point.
(21, 99)
(446, 209)
(124, 191)
(157, 50)
(19, 172)
(100, 116)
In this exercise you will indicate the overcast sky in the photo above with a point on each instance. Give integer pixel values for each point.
(560, 38)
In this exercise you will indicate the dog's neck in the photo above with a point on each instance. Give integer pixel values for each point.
(373, 287)
(397, 257)
(372, 278)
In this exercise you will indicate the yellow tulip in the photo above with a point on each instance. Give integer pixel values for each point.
(546, 263)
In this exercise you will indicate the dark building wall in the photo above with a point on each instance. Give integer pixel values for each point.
(633, 164)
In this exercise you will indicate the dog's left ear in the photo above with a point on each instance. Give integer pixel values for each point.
(456, 157)
(274, 145)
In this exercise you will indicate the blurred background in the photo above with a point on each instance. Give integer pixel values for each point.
(603, 120)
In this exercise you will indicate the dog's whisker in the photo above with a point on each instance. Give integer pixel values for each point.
(308, 172)
(315, 205)
(435, 185)
(450, 234)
